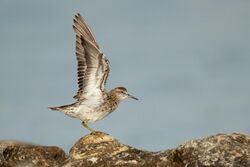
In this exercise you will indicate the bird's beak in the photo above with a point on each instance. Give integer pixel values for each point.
(132, 97)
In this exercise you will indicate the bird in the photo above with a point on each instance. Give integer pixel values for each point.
(93, 101)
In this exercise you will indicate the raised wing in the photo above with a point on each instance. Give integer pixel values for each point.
(93, 66)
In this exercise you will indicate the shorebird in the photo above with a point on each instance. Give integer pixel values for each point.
(93, 101)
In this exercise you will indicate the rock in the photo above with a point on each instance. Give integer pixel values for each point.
(100, 149)
(19, 154)
(220, 150)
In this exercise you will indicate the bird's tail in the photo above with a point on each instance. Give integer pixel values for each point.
(63, 108)
(59, 108)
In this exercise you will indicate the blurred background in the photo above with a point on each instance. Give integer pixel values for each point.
(187, 61)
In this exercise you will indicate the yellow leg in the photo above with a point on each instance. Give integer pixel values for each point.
(85, 124)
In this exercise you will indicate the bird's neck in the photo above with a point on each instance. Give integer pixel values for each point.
(113, 97)
(112, 101)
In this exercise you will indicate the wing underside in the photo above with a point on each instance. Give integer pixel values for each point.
(93, 66)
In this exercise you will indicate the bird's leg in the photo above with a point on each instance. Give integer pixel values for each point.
(85, 124)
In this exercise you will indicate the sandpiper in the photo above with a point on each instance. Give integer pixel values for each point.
(93, 101)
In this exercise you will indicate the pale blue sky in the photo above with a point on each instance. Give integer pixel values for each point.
(187, 61)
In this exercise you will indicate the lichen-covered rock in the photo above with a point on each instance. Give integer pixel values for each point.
(220, 150)
(19, 154)
(102, 150)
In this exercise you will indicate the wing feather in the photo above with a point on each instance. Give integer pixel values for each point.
(92, 66)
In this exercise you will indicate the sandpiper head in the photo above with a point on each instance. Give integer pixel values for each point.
(122, 93)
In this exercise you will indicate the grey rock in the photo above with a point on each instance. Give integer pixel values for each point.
(102, 150)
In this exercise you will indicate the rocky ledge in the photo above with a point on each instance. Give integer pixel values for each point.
(100, 149)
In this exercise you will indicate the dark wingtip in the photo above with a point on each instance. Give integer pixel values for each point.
(77, 15)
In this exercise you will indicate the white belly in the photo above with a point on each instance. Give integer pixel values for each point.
(86, 113)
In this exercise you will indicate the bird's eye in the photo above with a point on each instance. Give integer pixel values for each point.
(122, 92)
